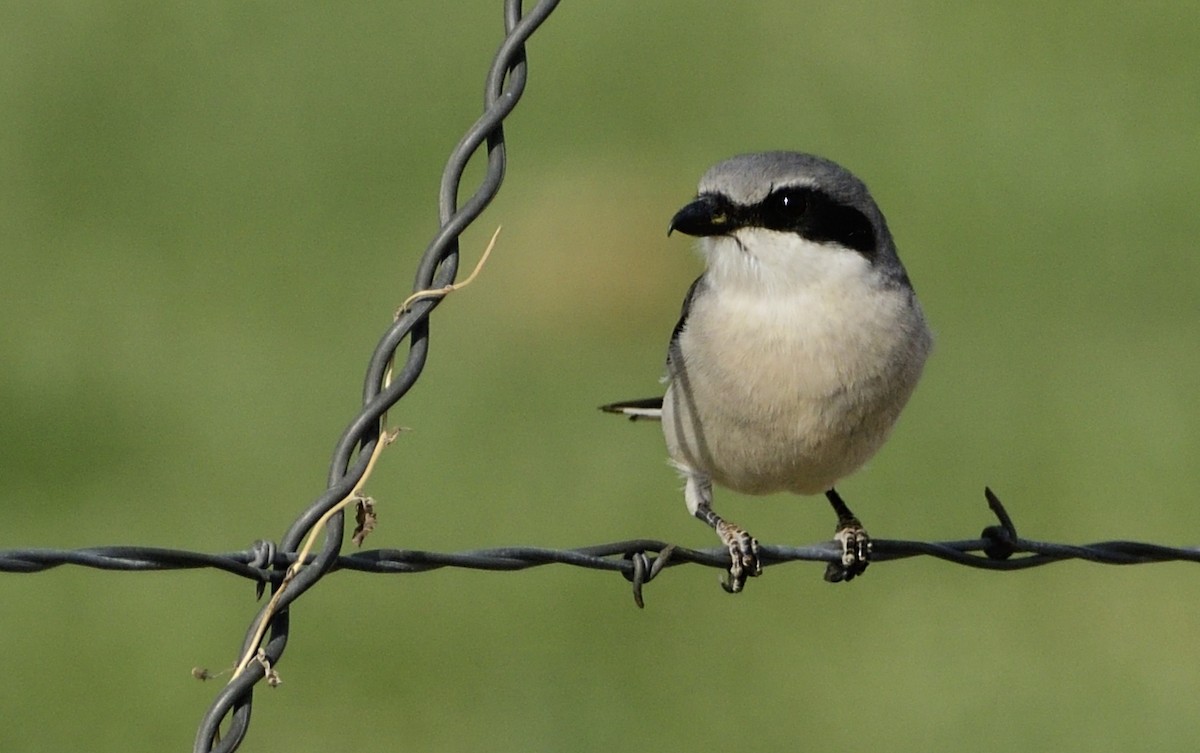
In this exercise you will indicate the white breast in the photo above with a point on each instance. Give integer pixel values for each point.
(790, 379)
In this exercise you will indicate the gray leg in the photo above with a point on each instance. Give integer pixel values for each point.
(743, 548)
(856, 544)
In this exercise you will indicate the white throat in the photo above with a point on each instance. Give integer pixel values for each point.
(766, 263)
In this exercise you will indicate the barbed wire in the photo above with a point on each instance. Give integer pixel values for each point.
(998, 547)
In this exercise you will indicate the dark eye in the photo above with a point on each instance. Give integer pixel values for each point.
(785, 208)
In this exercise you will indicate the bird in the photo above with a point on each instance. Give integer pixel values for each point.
(796, 349)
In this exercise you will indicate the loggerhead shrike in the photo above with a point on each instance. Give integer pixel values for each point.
(796, 349)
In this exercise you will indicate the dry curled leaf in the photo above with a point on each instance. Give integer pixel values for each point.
(364, 518)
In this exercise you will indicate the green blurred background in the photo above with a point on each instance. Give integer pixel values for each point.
(209, 212)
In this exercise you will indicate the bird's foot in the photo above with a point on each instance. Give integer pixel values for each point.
(743, 554)
(856, 551)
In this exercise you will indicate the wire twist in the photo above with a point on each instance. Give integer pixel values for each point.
(382, 388)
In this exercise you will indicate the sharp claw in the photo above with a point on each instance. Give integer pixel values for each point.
(856, 552)
(743, 557)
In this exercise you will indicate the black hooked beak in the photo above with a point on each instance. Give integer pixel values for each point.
(709, 214)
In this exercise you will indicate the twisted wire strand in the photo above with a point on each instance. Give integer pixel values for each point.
(997, 548)
(638, 560)
(382, 388)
